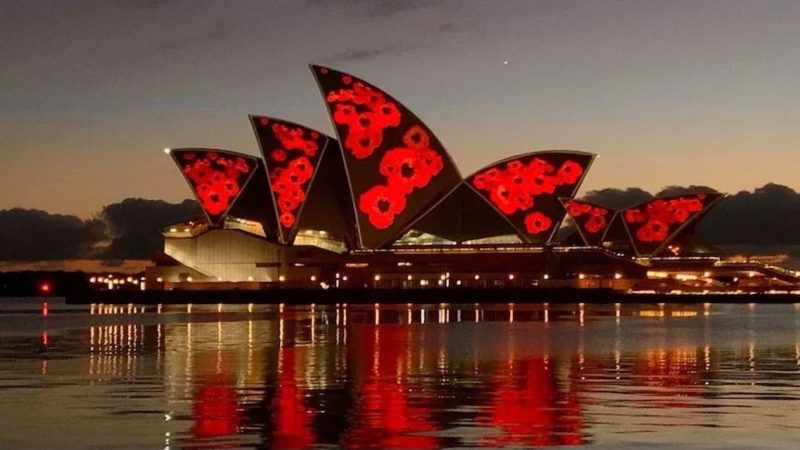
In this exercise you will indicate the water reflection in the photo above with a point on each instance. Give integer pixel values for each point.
(400, 376)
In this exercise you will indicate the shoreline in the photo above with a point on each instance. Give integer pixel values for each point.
(418, 296)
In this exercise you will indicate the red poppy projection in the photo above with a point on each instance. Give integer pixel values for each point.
(217, 177)
(397, 167)
(653, 224)
(526, 189)
(291, 154)
(591, 220)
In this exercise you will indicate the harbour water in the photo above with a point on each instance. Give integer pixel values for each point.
(399, 376)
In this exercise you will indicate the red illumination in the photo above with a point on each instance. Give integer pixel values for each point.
(291, 419)
(44, 288)
(381, 204)
(537, 222)
(591, 219)
(216, 177)
(656, 221)
(396, 165)
(215, 411)
(525, 189)
(291, 154)
(388, 416)
(406, 169)
(534, 412)
(363, 114)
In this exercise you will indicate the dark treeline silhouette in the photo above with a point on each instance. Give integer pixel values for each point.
(130, 229)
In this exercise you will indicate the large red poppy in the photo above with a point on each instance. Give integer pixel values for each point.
(537, 222)
(594, 224)
(362, 142)
(381, 204)
(406, 168)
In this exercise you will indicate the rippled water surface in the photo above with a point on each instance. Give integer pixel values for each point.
(398, 376)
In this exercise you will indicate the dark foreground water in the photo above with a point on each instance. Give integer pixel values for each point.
(394, 376)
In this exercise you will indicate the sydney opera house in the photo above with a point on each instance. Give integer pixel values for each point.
(383, 204)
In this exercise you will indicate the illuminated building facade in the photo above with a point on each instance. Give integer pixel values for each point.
(384, 205)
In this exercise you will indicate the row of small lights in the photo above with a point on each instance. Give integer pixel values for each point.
(113, 283)
(409, 277)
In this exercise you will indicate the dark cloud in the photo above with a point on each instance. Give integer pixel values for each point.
(361, 54)
(134, 225)
(770, 215)
(126, 230)
(386, 8)
(618, 198)
(681, 190)
(200, 38)
(144, 4)
(30, 235)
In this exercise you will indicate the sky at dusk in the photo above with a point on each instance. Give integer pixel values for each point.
(666, 92)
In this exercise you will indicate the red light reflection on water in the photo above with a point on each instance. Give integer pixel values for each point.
(529, 407)
(291, 418)
(387, 416)
(215, 411)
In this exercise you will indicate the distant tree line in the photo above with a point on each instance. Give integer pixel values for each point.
(130, 229)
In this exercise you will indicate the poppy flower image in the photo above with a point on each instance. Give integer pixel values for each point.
(278, 155)
(416, 137)
(216, 178)
(512, 187)
(537, 222)
(594, 224)
(381, 204)
(377, 133)
(362, 142)
(590, 218)
(660, 217)
(291, 164)
(364, 114)
(287, 219)
(569, 173)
